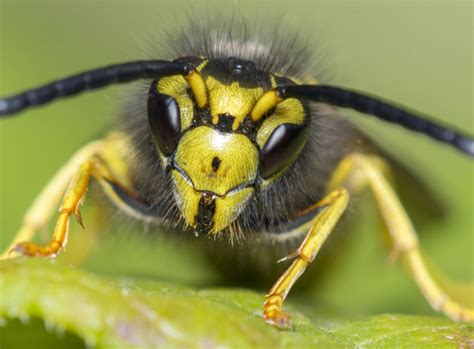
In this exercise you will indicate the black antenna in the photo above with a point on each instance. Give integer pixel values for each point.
(374, 106)
(91, 80)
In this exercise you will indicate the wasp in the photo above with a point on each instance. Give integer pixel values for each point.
(234, 138)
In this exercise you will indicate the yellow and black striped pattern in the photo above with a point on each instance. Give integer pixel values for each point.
(222, 164)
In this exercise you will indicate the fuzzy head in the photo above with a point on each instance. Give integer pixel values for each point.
(218, 156)
(206, 162)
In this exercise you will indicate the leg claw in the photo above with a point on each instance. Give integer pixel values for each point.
(30, 249)
(273, 314)
(280, 320)
(25, 249)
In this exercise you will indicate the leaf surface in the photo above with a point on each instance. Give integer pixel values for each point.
(130, 313)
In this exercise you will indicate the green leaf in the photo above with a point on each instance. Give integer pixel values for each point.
(124, 313)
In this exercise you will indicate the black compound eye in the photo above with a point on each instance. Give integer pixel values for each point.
(165, 121)
(282, 148)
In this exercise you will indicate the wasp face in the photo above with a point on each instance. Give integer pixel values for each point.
(217, 156)
(214, 175)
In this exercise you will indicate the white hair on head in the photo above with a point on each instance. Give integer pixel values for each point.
(272, 47)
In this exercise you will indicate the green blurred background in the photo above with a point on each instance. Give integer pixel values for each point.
(416, 53)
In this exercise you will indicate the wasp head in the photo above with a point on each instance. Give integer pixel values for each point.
(217, 154)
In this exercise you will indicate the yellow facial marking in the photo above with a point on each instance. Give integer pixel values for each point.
(186, 197)
(229, 207)
(273, 81)
(215, 161)
(289, 111)
(231, 99)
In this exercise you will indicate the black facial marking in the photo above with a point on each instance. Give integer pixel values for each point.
(237, 66)
(249, 127)
(229, 70)
(225, 122)
(281, 80)
(268, 113)
(195, 61)
(206, 210)
(202, 116)
(216, 162)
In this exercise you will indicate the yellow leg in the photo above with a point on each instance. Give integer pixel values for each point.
(43, 208)
(357, 171)
(70, 206)
(101, 159)
(334, 205)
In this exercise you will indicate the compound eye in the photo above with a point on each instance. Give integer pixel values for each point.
(165, 121)
(282, 148)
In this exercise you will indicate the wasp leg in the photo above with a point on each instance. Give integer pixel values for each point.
(92, 161)
(70, 206)
(358, 171)
(43, 208)
(333, 206)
